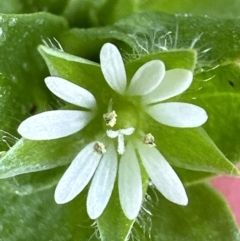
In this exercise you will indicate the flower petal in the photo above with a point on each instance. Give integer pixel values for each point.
(130, 183)
(175, 82)
(54, 124)
(102, 183)
(178, 114)
(70, 92)
(77, 175)
(147, 78)
(113, 68)
(162, 175)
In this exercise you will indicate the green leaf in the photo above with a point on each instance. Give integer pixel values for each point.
(89, 13)
(20, 214)
(52, 6)
(116, 10)
(11, 6)
(24, 6)
(219, 94)
(23, 69)
(227, 8)
(216, 40)
(88, 42)
(191, 149)
(206, 217)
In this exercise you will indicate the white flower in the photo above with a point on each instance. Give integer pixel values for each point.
(98, 161)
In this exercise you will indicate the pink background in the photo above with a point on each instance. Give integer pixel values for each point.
(230, 188)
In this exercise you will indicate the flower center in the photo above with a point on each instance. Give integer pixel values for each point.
(121, 121)
(121, 115)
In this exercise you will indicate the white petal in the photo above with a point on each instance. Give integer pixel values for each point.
(54, 124)
(147, 78)
(102, 183)
(178, 114)
(70, 92)
(113, 68)
(175, 82)
(162, 175)
(130, 183)
(77, 175)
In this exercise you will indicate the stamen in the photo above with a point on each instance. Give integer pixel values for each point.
(148, 139)
(110, 118)
(99, 147)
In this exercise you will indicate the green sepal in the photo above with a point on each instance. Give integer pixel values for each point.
(219, 94)
(29, 183)
(32, 156)
(113, 224)
(191, 148)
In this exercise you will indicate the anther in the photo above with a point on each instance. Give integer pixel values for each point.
(110, 118)
(99, 147)
(148, 139)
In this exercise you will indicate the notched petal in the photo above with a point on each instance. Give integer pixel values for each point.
(130, 183)
(175, 82)
(178, 114)
(102, 183)
(162, 175)
(113, 68)
(147, 78)
(78, 174)
(70, 92)
(54, 124)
